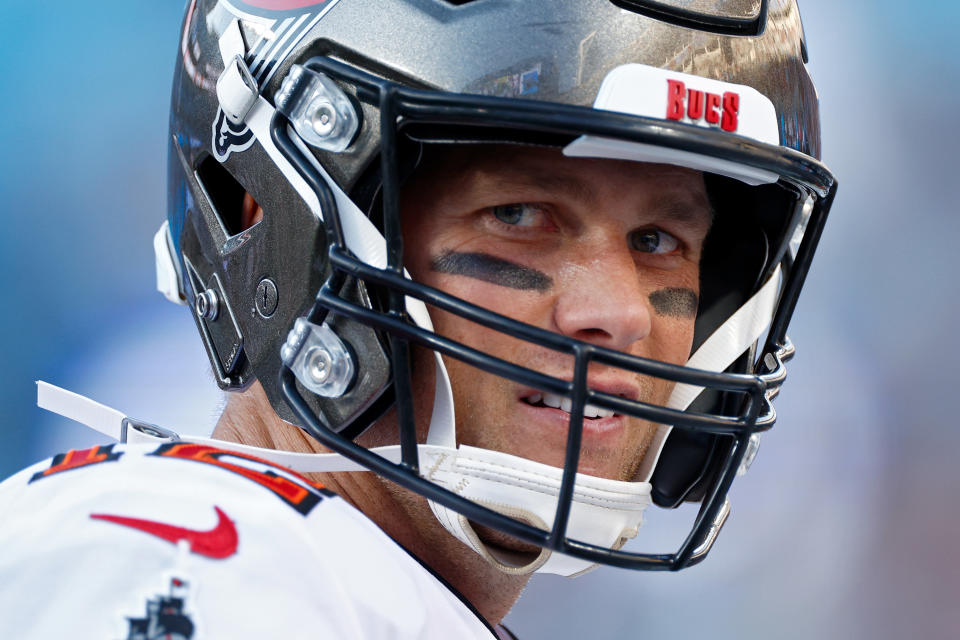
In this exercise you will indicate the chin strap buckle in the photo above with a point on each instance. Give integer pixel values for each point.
(145, 430)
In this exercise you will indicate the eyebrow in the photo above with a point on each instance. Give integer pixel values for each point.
(682, 206)
(546, 179)
(685, 210)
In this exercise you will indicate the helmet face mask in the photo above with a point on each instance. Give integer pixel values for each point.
(332, 267)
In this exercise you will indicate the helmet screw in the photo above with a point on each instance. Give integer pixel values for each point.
(207, 304)
(318, 363)
(266, 298)
(324, 119)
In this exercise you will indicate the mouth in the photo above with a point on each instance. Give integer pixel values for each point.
(554, 401)
(546, 417)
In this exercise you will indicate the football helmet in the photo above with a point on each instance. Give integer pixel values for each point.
(320, 110)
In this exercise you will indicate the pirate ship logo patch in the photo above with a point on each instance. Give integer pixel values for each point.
(229, 137)
(166, 616)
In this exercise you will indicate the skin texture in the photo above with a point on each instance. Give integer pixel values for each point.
(573, 258)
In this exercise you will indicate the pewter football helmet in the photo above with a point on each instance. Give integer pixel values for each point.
(320, 110)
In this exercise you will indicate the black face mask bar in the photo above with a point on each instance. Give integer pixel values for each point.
(399, 107)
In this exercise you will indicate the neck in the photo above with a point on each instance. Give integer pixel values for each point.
(403, 515)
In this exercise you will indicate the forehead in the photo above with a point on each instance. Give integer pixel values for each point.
(513, 168)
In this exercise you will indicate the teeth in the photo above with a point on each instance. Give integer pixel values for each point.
(555, 401)
(566, 404)
(591, 411)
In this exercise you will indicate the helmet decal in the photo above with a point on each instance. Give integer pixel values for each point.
(293, 20)
(683, 97)
(272, 7)
(718, 109)
(228, 137)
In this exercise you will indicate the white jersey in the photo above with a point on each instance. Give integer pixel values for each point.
(189, 542)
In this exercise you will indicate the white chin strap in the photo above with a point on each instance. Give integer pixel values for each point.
(604, 512)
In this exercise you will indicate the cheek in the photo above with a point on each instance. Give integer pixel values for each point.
(675, 338)
(673, 302)
(525, 306)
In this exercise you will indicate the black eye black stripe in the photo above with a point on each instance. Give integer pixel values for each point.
(675, 302)
(494, 270)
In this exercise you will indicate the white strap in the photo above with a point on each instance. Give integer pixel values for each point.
(237, 91)
(168, 273)
(730, 339)
(81, 409)
(110, 422)
(718, 352)
(231, 42)
(604, 512)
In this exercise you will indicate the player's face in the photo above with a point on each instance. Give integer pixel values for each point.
(603, 251)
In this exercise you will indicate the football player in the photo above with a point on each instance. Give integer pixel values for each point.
(494, 275)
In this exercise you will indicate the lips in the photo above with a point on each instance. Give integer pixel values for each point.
(607, 437)
(544, 399)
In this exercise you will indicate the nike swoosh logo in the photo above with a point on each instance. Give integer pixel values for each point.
(219, 542)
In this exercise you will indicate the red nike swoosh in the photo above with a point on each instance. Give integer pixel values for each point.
(219, 542)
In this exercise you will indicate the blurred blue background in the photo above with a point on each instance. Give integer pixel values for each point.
(845, 525)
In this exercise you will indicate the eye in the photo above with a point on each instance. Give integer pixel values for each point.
(517, 214)
(653, 241)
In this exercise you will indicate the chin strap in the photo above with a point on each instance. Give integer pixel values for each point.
(605, 512)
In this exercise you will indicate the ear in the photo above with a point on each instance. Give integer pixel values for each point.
(250, 213)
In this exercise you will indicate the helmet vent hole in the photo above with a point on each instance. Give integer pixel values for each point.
(234, 207)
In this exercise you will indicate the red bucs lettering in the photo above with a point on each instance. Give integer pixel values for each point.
(78, 460)
(702, 105)
(295, 490)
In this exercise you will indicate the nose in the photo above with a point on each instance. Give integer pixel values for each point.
(601, 299)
